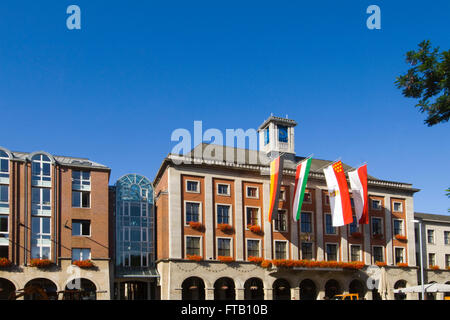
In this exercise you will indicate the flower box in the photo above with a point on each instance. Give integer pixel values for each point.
(400, 237)
(402, 265)
(225, 259)
(377, 236)
(266, 264)
(255, 229)
(85, 264)
(194, 257)
(256, 260)
(41, 263)
(197, 226)
(5, 263)
(434, 267)
(381, 264)
(225, 228)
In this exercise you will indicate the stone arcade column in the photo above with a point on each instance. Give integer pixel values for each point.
(240, 293)
(268, 294)
(209, 293)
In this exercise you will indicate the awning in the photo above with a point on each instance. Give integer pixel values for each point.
(430, 287)
(136, 272)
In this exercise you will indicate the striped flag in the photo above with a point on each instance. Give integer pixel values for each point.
(341, 208)
(301, 177)
(276, 175)
(358, 184)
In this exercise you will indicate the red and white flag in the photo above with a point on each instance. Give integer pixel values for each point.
(358, 184)
(341, 208)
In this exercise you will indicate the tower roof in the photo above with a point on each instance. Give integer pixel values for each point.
(278, 120)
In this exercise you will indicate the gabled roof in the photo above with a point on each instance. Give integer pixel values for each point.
(432, 217)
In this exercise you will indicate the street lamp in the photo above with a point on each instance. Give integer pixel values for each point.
(421, 256)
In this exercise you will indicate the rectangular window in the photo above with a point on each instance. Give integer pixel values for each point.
(4, 168)
(355, 253)
(307, 197)
(4, 194)
(81, 199)
(307, 250)
(252, 216)
(252, 248)
(224, 247)
(282, 134)
(193, 246)
(192, 212)
(280, 250)
(398, 227)
(378, 254)
(331, 251)
(40, 237)
(266, 136)
(81, 228)
(306, 222)
(329, 229)
(40, 199)
(398, 207)
(223, 214)
(192, 186)
(447, 261)
(223, 189)
(81, 178)
(377, 229)
(430, 236)
(4, 252)
(354, 225)
(446, 237)
(252, 192)
(4, 229)
(431, 259)
(281, 221)
(399, 258)
(376, 204)
(81, 254)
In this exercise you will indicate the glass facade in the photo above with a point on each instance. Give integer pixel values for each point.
(134, 222)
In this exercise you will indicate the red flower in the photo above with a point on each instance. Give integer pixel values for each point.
(41, 263)
(400, 237)
(256, 260)
(194, 257)
(225, 259)
(266, 264)
(5, 263)
(255, 229)
(434, 267)
(86, 264)
(224, 227)
(197, 226)
(381, 264)
(402, 265)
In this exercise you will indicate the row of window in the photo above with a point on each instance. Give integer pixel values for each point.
(282, 134)
(431, 238)
(253, 249)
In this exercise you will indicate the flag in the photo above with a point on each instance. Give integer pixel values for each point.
(341, 208)
(276, 175)
(358, 184)
(301, 177)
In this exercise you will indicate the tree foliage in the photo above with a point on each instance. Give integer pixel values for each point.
(428, 80)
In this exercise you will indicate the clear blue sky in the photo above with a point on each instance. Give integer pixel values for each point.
(116, 89)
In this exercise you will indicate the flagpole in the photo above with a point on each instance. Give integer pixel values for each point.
(365, 162)
(329, 164)
(304, 159)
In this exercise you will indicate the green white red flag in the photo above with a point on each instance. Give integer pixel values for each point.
(301, 178)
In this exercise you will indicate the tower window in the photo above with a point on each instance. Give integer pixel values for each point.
(266, 136)
(282, 134)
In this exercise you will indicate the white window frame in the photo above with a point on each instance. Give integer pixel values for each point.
(312, 248)
(38, 179)
(275, 248)
(200, 242)
(231, 246)
(228, 194)
(337, 250)
(6, 174)
(7, 223)
(259, 247)
(82, 185)
(360, 252)
(402, 231)
(81, 199)
(4, 208)
(198, 186)
(81, 254)
(37, 208)
(230, 213)
(403, 254)
(382, 225)
(382, 252)
(431, 254)
(250, 197)
(83, 235)
(393, 206)
(376, 200)
(434, 236)
(286, 214)
(447, 232)
(325, 225)
(259, 216)
(200, 211)
(40, 235)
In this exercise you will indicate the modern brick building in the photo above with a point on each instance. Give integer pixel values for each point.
(54, 209)
(195, 196)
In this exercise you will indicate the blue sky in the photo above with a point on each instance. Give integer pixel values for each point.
(137, 70)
